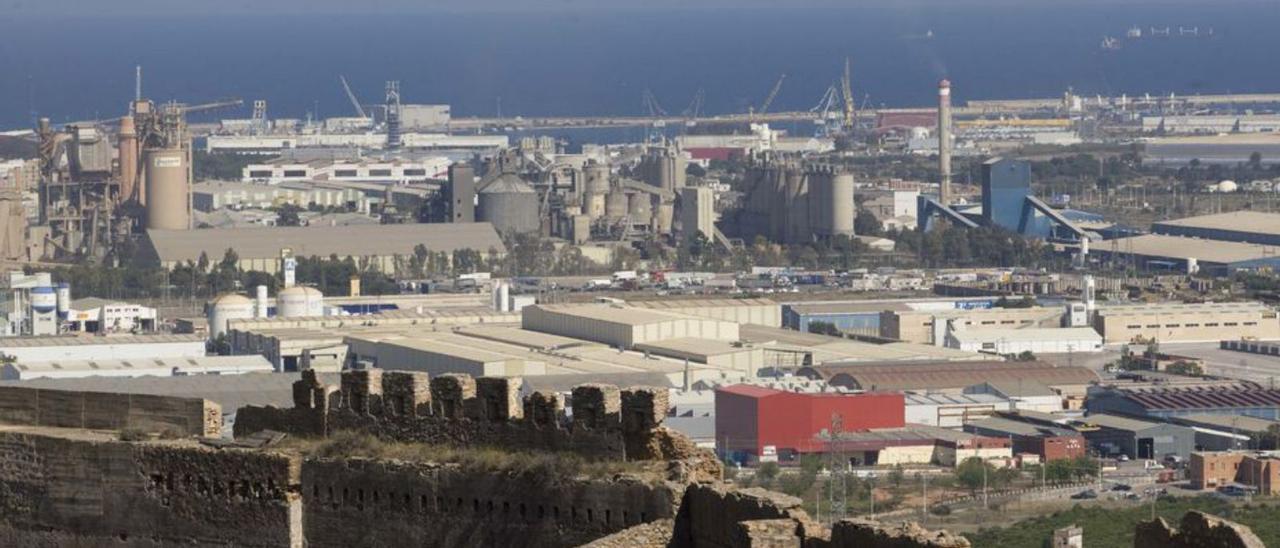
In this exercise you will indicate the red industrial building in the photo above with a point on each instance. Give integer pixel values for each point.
(749, 418)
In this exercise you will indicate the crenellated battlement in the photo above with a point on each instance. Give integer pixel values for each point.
(599, 420)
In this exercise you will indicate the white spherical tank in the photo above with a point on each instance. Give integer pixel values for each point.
(44, 300)
(299, 302)
(1228, 186)
(225, 308)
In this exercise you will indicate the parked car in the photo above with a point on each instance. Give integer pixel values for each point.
(1233, 491)
(1086, 494)
(1121, 487)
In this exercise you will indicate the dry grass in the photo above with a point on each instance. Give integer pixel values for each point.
(548, 465)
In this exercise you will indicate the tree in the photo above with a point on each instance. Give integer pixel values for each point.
(1183, 367)
(867, 224)
(1255, 160)
(824, 328)
(973, 472)
(768, 471)
(287, 215)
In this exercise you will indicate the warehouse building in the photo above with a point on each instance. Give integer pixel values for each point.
(1255, 227)
(952, 410)
(438, 353)
(754, 311)
(915, 444)
(863, 317)
(787, 349)
(751, 420)
(260, 248)
(94, 315)
(156, 367)
(114, 347)
(1257, 469)
(1114, 435)
(1070, 382)
(931, 326)
(1185, 254)
(622, 326)
(1037, 340)
(1187, 322)
(1245, 432)
(1045, 439)
(1255, 401)
(1023, 394)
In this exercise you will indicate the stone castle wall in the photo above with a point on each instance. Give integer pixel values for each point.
(108, 411)
(459, 410)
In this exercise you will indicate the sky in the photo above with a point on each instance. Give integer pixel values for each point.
(126, 8)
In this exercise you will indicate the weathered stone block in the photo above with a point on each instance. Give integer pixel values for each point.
(596, 405)
(767, 533)
(304, 390)
(644, 408)
(544, 408)
(450, 393)
(406, 393)
(362, 390)
(499, 398)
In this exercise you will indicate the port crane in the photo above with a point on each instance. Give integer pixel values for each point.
(352, 96)
(650, 103)
(692, 111)
(829, 101)
(773, 94)
(846, 89)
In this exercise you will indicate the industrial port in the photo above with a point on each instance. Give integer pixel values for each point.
(759, 328)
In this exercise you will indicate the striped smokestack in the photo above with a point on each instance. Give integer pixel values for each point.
(944, 142)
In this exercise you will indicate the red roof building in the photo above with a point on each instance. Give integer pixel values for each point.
(748, 418)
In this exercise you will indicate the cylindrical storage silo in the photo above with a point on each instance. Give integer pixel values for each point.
(510, 204)
(167, 189)
(504, 297)
(299, 302)
(64, 300)
(615, 205)
(638, 207)
(597, 175)
(842, 206)
(260, 302)
(44, 300)
(226, 308)
(663, 217)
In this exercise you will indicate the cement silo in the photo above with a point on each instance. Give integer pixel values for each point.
(615, 205)
(663, 217)
(843, 210)
(639, 207)
(299, 302)
(597, 187)
(225, 308)
(510, 204)
(168, 189)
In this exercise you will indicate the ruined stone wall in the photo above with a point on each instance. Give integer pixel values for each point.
(358, 502)
(1197, 530)
(146, 493)
(718, 516)
(106, 411)
(463, 411)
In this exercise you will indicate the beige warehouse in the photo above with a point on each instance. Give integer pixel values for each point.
(1196, 322)
(623, 326)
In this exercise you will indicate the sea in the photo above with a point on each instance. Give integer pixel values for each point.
(601, 62)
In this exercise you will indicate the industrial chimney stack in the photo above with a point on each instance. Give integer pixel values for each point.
(944, 142)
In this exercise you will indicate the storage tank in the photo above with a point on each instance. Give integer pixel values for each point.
(168, 189)
(842, 206)
(504, 297)
(510, 204)
(225, 308)
(260, 302)
(44, 299)
(663, 217)
(597, 175)
(299, 302)
(64, 300)
(615, 205)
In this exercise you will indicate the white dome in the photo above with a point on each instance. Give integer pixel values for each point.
(231, 299)
(1228, 186)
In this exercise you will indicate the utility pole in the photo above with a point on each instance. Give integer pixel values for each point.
(924, 496)
(985, 505)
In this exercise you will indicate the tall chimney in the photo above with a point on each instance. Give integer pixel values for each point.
(944, 142)
(128, 156)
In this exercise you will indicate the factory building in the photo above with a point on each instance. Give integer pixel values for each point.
(932, 326)
(151, 367)
(1023, 395)
(622, 326)
(90, 348)
(439, 353)
(94, 315)
(399, 170)
(1060, 340)
(1255, 227)
(1189, 255)
(1114, 435)
(260, 248)
(1211, 124)
(1045, 439)
(1258, 402)
(1259, 470)
(863, 317)
(273, 145)
(952, 410)
(1070, 382)
(214, 195)
(753, 311)
(753, 420)
(1189, 322)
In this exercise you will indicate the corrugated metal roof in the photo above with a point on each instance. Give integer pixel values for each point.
(1237, 221)
(83, 340)
(949, 375)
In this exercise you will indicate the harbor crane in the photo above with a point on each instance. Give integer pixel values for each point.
(694, 109)
(846, 88)
(655, 111)
(773, 94)
(352, 96)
